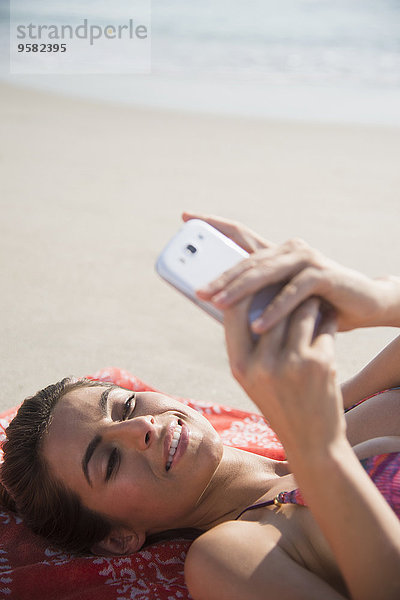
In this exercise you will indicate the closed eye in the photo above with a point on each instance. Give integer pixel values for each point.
(127, 409)
(115, 456)
(113, 463)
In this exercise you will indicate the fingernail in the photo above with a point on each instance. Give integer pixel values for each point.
(204, 290)
(257, 325)
(220, 298)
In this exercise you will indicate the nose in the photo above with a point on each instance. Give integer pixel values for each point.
(139, 432)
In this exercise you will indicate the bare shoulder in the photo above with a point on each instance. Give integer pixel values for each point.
(218, 564)
(242, 560)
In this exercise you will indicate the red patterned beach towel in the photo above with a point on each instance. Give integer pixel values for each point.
(31, 569)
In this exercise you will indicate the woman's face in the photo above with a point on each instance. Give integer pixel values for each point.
(115, 450)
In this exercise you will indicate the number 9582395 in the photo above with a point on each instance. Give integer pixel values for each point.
(42, 47)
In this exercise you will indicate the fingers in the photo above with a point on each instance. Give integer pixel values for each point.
(269, 265)
(223, 281)
(329, 322)
(301, 286)
(241, 284)
(243, 351)
(305, 340)
(242, 235)
(263, 268)
(223, 225)
(270, 345)
(312, 328)
(324, 339)
(239, 281)
(303, 324)
(239, 342)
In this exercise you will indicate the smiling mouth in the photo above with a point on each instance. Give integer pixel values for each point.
(174, 444)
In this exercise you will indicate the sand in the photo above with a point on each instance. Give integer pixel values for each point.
(90, 193)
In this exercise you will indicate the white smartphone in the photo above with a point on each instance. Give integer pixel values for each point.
(198, 254)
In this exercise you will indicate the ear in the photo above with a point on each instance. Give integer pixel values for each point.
(119, 541)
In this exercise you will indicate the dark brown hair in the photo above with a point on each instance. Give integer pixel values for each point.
(29, 488)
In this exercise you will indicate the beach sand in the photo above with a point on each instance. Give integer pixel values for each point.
(91, 192)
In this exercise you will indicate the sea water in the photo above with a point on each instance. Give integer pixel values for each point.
(330, 60)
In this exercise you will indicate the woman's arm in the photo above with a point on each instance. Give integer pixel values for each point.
(362, 530)
(289, 373)
(383, 372)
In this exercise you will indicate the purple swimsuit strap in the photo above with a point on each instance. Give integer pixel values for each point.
(254, 506)
(281, 498)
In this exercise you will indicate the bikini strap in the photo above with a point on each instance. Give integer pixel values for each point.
(260, 505)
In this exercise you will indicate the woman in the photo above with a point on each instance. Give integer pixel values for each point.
(93, 466)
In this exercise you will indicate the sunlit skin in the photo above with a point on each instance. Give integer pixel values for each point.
(283, 551)
(208, 486)
(140, 493)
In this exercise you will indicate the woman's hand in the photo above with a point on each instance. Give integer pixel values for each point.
(359, 301)
(290, 375)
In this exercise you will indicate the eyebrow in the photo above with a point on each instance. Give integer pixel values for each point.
(97, 438)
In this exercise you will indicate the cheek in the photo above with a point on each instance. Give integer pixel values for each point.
(148, 507)
(211, 455)
(120, 502)
(210, 446)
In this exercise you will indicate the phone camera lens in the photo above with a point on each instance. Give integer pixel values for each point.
(191, 248)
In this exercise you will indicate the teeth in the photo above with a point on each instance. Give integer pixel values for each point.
(174, 445)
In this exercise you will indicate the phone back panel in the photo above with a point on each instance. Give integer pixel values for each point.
(199, 253)
(196, 255)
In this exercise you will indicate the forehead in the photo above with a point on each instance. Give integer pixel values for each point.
(76, 414)
(72, 426)
(81, 403)
(73, 417)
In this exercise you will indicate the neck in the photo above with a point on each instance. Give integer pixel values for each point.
(240, 479)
